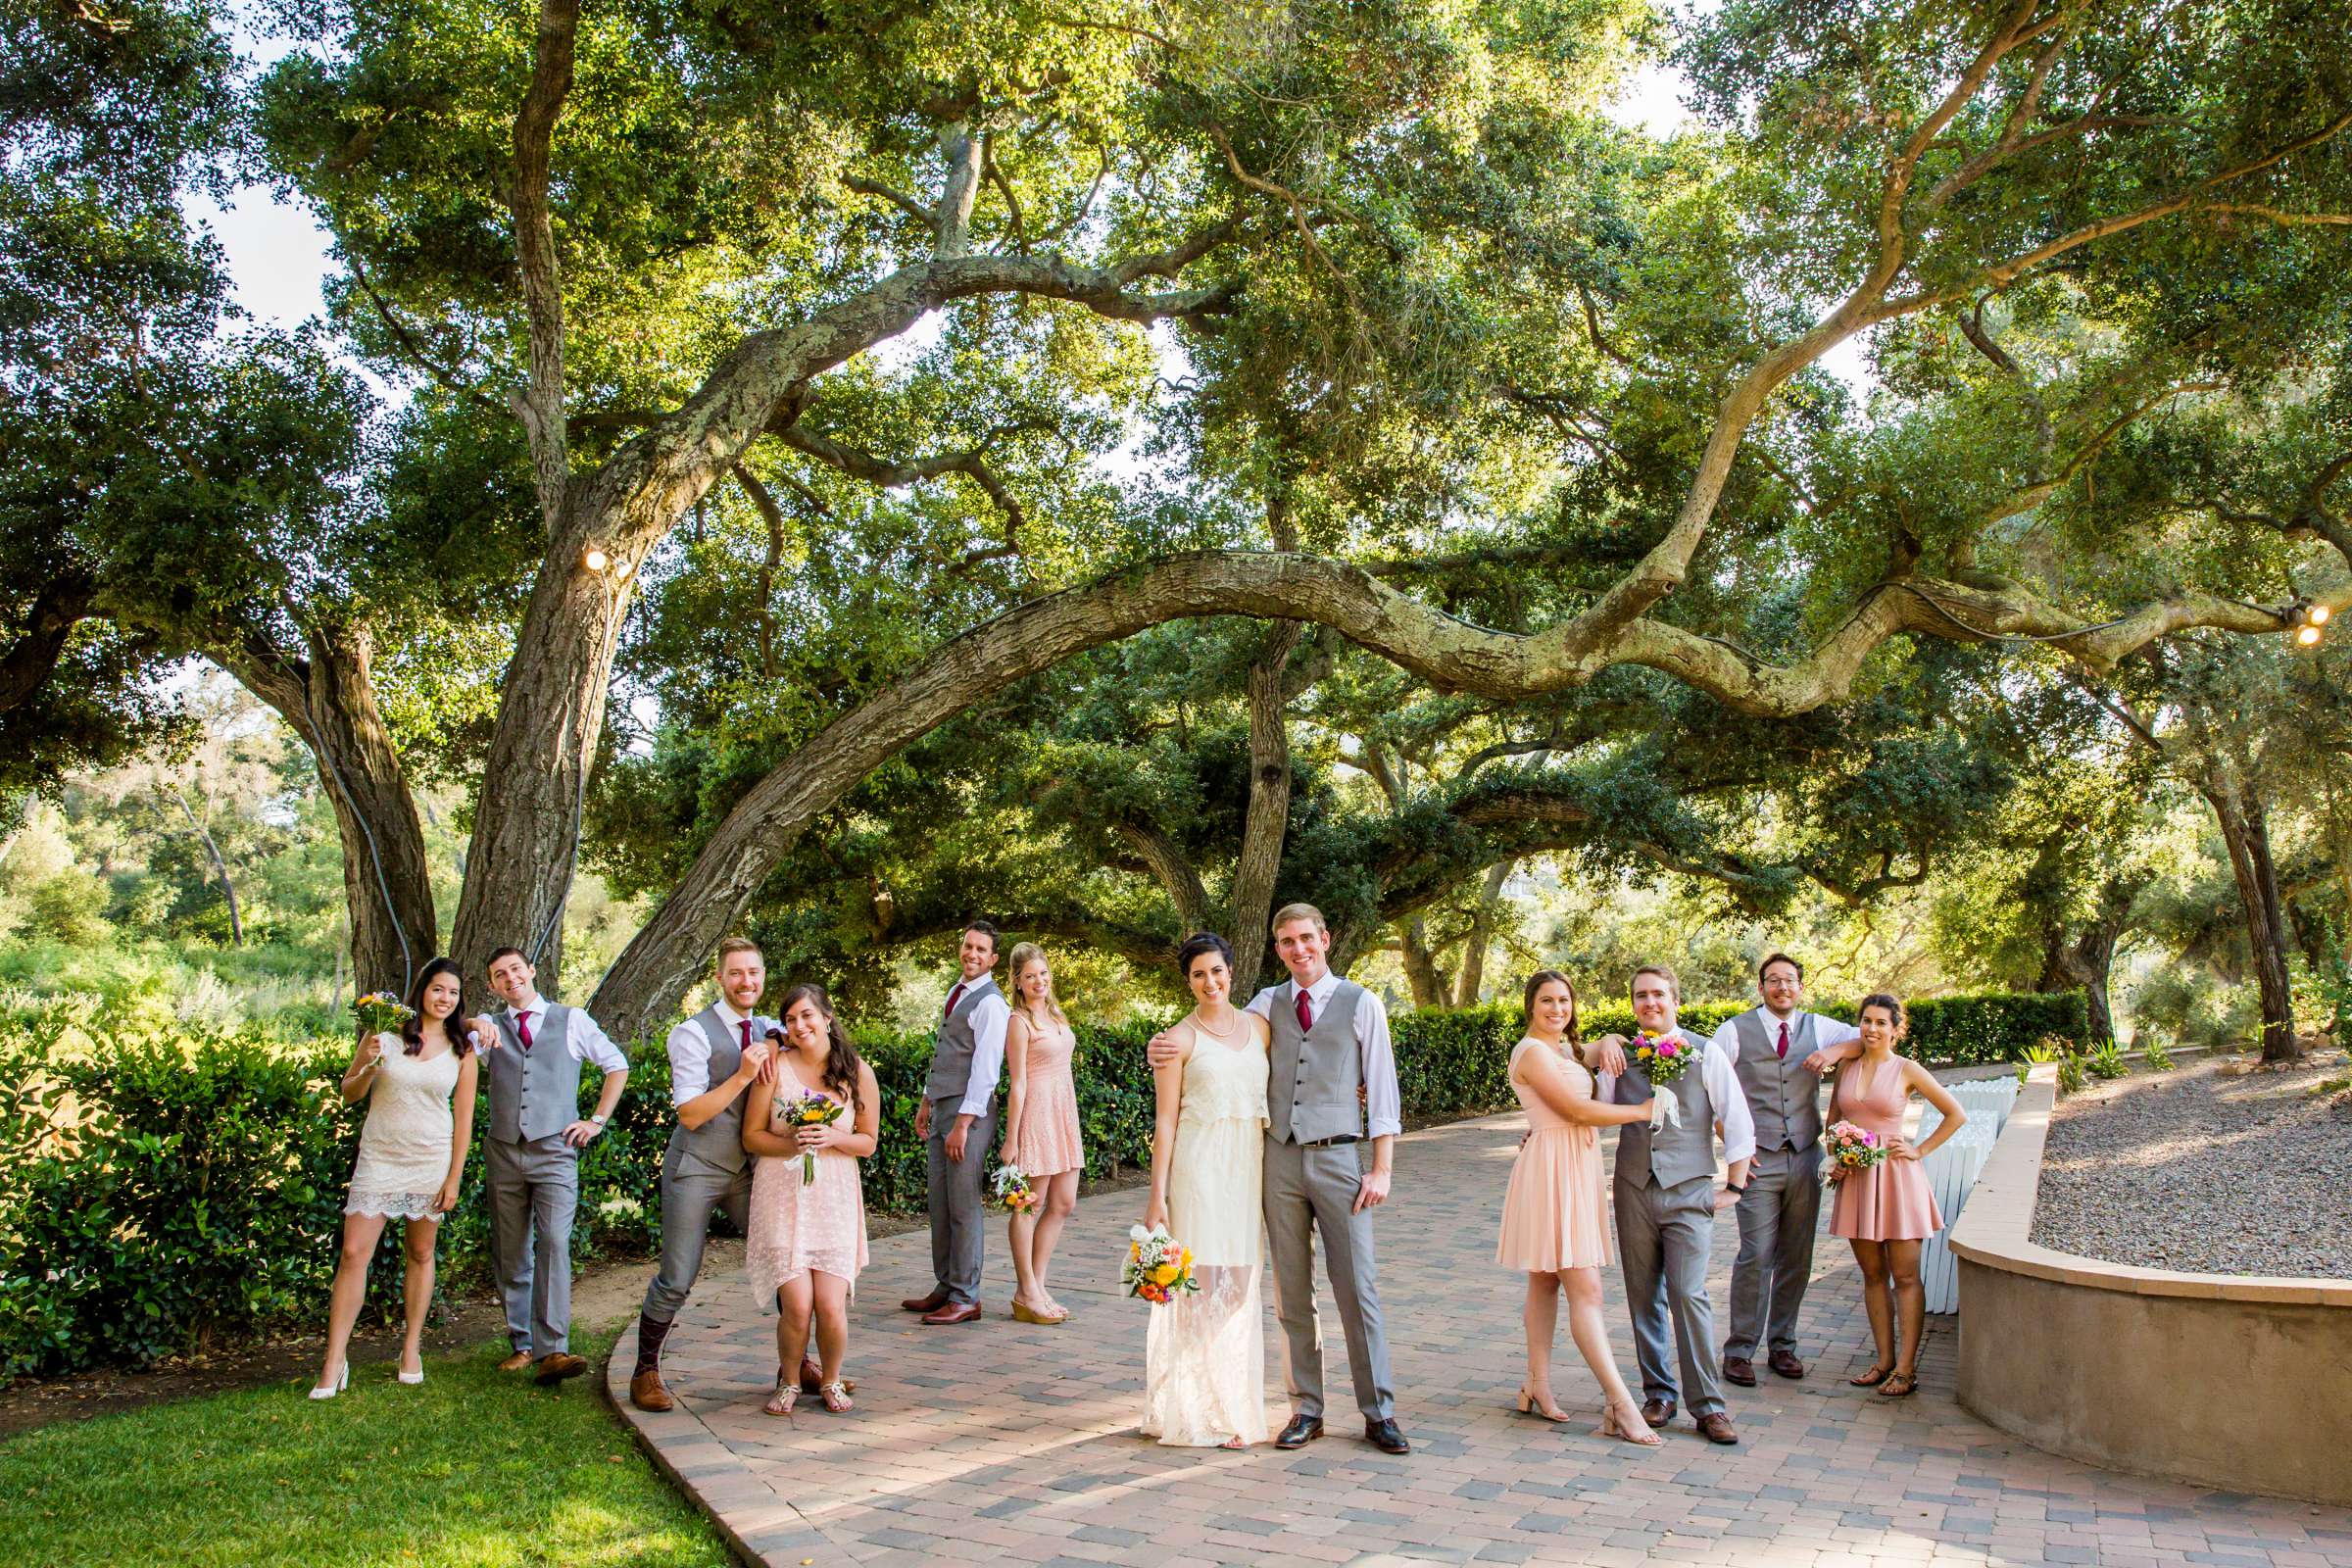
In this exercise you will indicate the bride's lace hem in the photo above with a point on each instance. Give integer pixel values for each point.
(392, 1206)
(1204, 1364)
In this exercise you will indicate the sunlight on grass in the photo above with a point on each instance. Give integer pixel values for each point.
(474, 1469)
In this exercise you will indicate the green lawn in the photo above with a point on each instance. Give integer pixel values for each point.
(471, 1469)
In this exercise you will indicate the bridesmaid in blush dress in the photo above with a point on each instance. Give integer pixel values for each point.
(1042, 1135)
(1888, 1209)
(805, 1241)
(1556, 1213)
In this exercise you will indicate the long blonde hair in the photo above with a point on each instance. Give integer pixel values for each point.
(1022, 955)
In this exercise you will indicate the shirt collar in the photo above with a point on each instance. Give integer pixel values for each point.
(729, 1016)
(525, 1009)
(1320, 991)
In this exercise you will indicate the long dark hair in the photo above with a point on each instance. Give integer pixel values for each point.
(1527, 1002)
(412, 1033)
(841, 1058)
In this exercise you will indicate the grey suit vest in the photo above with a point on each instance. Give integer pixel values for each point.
(1672, 1155)
(1783, 1094)
(536, 1092)
(952, 1054)
(718, 1142)
(1312, 1076)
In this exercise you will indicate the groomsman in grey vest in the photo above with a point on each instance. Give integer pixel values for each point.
(714, 1057)
(1331, 1085)
(532, 1159)
(1666, 1202)
(958, 1121)
(1779, 1050)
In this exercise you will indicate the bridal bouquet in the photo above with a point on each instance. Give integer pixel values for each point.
(812, 1110)
(1662, 1058)
(1851, 1148)
(1156, 1268)
(380, 1012)
(1014, 1192)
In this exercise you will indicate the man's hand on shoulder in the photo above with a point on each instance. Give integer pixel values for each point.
(1163, 1051)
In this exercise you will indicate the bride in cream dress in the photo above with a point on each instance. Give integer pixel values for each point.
(1205, 1359)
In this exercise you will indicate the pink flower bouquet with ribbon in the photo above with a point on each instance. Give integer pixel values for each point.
(1851, 1148)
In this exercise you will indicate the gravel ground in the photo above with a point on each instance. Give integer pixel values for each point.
(2219, 1168)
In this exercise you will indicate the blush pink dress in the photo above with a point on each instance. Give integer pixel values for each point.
(1891, 1200)
(1556, 1213)
(1049, 1139)
(794, 1226)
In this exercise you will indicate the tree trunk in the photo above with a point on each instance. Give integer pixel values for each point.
(1420, 964)
(1268, 819)
(2246, 831)
(2088, 960)
(212, 849)
(330, 698)
(1482, 931)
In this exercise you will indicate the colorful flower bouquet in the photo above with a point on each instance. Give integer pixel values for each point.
(1156, 1268)
(812, 1110)
(1851, 1148)
(380, 1012)
(1014, 1192)
(1662, 1058)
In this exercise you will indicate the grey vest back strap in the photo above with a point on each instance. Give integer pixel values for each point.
(536, 1092)
(1783, 1094)
(719, 1141)
(1312, 1075)
(952, 1054)
(1672, 1155)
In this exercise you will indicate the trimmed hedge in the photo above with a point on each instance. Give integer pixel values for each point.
(162, 1193)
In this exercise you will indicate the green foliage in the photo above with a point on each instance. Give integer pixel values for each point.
(2157, 1057)
(2105, 1061)
(68, 907)
(2071, 1076)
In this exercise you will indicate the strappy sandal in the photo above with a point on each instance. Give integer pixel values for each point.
(1870, 1379)
(1898, 1385)
(1636, 1432)
(837, 1397)
(1546, 1410)
(788, 1390)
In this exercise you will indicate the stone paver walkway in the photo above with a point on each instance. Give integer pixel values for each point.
(1002, 1442)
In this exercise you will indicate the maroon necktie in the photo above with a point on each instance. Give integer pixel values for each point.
(1783, 1045)
(522, 1027)
(746, 1026)
(954, 997)
(1306, 1013)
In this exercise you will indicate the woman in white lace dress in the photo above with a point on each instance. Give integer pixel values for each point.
(411, 1152)
(1204, 1357)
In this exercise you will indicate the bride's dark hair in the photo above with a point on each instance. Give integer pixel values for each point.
(412, 1033)
(841, 1058)
(1197, 945)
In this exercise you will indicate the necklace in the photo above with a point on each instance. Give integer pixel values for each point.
(1200, 1023)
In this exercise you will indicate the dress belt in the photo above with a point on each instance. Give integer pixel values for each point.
(1326, 1142)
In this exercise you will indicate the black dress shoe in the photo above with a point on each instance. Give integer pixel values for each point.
(1387, 1436)
(1302, 1429)
(1658, 1412)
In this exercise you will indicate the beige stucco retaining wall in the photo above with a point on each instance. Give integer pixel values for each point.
(2239, 1382)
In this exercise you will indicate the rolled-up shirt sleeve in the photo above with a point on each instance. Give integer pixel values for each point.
(1731, 1104)
(1383, 1110)
(689, 1062)
(989, 1018)
(590, 1043)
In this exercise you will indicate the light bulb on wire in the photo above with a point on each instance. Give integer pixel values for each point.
(595, 560)
(2318, 614)
(2309, 636)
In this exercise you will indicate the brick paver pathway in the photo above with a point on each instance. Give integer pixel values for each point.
(1009, 1442)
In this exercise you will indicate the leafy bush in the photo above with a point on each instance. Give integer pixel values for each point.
(2070, 1077)
(70, 907)
(2157, 1057)
(2106, 1061)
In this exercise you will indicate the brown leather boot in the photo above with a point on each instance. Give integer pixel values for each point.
(645, 1392)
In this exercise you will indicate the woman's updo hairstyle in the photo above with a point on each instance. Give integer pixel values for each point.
(1198, 944)
(1893, 1007)
(1527, 1001)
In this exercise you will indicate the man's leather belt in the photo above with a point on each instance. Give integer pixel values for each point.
(1326, 1142)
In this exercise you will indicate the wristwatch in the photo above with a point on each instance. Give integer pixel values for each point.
(598, 1120)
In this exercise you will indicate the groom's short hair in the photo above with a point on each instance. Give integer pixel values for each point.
(734, 944)
(1298, 912)
(1672, 981)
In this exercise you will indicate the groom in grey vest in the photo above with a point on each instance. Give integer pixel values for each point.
(1665, 1200)
(957, 1122)
(1779, 1050)
(531, 1159)
(1331, 1085)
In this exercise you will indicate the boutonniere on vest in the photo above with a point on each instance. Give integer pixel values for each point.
(1661, 1058)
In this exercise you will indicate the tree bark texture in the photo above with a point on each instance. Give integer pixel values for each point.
(2245, 829)
(1267, 820)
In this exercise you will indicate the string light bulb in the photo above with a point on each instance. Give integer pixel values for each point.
(2309, 636)
(595, 560)
(2318, 614)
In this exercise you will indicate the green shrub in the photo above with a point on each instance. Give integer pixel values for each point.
(70, 907)
(2158, 1058)
(2070, 1077)
(2106, 1061)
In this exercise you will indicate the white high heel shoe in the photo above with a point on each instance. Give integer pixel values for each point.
(342, 1382)
(412, 1378)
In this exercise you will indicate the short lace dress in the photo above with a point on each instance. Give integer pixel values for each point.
(404, 1146)
(1051, 1141)
(795, 1225)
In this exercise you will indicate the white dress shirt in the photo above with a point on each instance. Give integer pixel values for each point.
(1827, 1033)
(1724, 1092)
(690, 1050)
(990, 1016)
(583, 1036)
(1383, 1112)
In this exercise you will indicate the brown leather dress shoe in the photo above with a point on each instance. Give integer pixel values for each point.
(645, 1392)
(813, 1378)
(1658, 1412)
(1786, 1364)
(924, 1303)
(1740, 1370)
(1717, 1428)
(515, 1362)
(954, 1312)
(558, 1366)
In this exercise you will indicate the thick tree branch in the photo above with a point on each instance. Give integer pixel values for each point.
(1170, 867)
(57, 609)
(541, 405)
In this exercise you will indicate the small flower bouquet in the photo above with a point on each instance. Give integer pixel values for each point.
(380, 1012)
(1014, 1192)
(1156, 1268)
(1851, 1148)
(1662, 1058)
(812, 1110)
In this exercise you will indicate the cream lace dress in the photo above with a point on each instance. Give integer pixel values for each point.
(404, 1146)
(1204, 1357)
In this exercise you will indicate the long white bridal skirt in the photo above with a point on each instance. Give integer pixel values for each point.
(1205, 1359)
